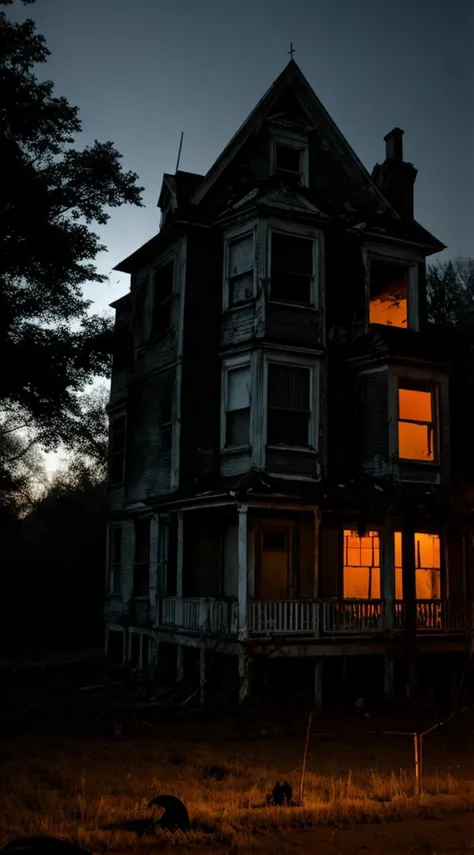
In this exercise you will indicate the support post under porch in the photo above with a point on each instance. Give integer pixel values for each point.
(388, 598)
(318, 685)
(409, 597)
(242, 550)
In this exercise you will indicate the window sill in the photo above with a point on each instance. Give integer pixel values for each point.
(306, 306)
(236, 449)
(243, 305)
(408, 461)
(301, 449)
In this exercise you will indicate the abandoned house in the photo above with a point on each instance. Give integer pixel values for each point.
(284, 422)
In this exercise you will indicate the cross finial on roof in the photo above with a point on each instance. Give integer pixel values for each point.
(291, 50)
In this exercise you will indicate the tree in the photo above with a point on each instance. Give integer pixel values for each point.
(52, 194)
(450, 290)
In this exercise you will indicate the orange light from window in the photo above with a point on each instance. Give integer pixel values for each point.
(427, 566)
(361, 579)
(415, 428)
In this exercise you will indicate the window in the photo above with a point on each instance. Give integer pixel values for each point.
(115, 560)
(292, 268)
(361, 570)
(162, 299)
(240, 269)
(388, 294)
(287, 159)
(117, 450)
(120, 346)
(427, 566)
(167, 413)
(141, 563)
(288, 409)
(237, 407)
(415, 424)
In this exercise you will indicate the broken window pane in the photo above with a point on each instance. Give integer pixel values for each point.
(288, 405)
(162, 299)
(388, 294)
(415, 425)
(427, 566)
(240, 270)
(141, 564)
(361, 570)
(238, 407)
(288, 158)
(291, 268)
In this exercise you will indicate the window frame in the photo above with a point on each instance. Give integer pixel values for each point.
(403, 259)
(291, 139)
(229, 365)
(169, 258)
(113, 418)
(293, 230)
(419, 385)
(295, 361)
(114, 567)
(230, 236)
(141, 564)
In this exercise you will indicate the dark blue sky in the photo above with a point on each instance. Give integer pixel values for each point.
(142, 71)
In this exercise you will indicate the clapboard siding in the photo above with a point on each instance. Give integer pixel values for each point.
(373, 422)
(148, 460)
(292, 324)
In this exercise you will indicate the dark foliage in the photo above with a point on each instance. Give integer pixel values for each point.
(450, 291)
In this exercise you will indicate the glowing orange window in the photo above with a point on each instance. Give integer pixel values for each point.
(388, 294)
(361, 570)
(427, 566)
(415, 424)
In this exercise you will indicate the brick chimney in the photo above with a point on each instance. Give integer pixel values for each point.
(395, 177)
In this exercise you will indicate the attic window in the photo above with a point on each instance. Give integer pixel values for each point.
(388, 294)
(162, 299)
(287, 159)
(291, 268)
(416, 424)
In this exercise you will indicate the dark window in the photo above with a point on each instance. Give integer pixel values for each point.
(120, 347)
(238, 407)
(141, 563)
(115, 559)
(171, 579)
(274, 541)
(291, 268)
(117, 450)
(163, 299)
(288, 405)
(167, 413)
(288, 158)
(240, 270)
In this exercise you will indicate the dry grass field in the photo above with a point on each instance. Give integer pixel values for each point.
(69, 773)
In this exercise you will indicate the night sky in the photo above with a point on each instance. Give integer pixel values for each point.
(143, 71)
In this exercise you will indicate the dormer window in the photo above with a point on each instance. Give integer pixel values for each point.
(287, 159)
(289, 154)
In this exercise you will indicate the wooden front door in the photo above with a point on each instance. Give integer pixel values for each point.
(276, 564)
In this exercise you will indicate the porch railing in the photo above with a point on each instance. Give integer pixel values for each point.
(311, 618)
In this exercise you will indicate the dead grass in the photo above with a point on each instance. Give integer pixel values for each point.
(72, 786)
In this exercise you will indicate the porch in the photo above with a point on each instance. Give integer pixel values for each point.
(313, 618)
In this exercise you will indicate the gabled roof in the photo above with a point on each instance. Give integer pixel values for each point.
(318, 117)
(181, 187)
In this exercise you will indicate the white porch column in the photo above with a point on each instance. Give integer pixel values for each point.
(179, 555)
(242, 576)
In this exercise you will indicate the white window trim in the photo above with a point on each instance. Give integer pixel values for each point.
(228, 365)
(294, 140)
(280, 358)
(235, 234)
(295, 230)
(404, 259)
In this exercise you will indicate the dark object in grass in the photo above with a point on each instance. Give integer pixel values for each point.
(42, 846)
(219, 773)
(176, 815)
(280, 795)
(141, 827)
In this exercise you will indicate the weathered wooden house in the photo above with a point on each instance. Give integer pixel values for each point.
(281, 428)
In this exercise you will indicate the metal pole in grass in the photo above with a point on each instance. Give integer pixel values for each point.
(417, 746)
(305, 754)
